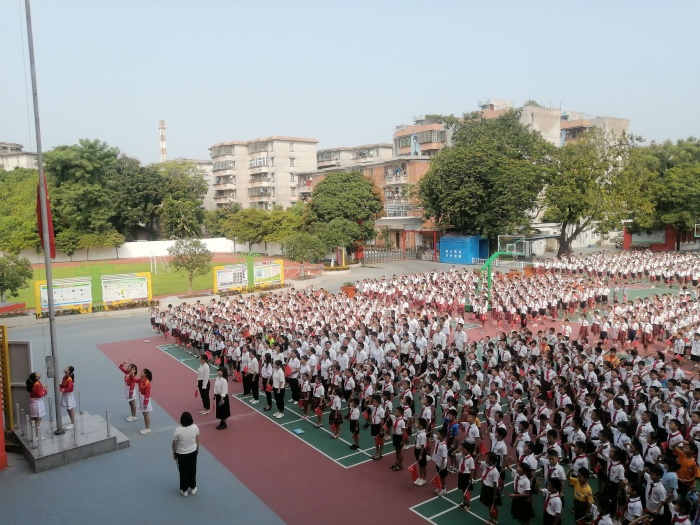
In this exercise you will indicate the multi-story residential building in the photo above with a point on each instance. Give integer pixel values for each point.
(342, 157)
(396, 178)
(261, 173)
(556, 126)
(573, 123)
(425, 137)
(13, 156)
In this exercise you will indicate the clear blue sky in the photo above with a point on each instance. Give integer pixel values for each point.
(345, 73)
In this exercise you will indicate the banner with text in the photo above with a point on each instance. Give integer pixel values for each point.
(126, 287)
(68, 294)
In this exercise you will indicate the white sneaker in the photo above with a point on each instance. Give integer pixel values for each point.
(275, 414)
(422, 482)
(255, 402)
(131, 418)
(417, 482)
(442, 492)
(68, 427)
(145, 431)
(183, 493)
(193, 491)
(280, 415)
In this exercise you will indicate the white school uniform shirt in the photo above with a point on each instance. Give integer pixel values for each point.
(552, 505)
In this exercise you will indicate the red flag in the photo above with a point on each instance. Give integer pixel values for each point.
(413, 471)
(196, 394)
(493, 512)
(467, 497)
(52, 240)
(437, 482)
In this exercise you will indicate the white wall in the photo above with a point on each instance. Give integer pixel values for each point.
(144, 249)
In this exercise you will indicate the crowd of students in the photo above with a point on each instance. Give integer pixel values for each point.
(614, 401)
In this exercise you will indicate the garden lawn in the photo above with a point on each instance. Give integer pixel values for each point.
(162, 283)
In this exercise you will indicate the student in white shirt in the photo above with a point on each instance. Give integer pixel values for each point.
(203, 384)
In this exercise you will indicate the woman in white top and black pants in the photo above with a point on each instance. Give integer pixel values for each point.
(185, 449)
(278, 384)
(266, 373)
(203, 383)
(223, 410)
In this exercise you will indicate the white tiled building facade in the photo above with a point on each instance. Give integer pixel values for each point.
(261, 173)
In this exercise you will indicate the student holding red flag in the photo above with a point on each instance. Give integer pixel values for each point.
(421, 452)
(465, 467)
(440, 459)
(490, 478)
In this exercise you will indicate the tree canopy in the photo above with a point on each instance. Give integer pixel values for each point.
(346, 195)
(18, 221)
(192, 257)
(489, 181)
(15, 273)
(303, 246)
(594, 185)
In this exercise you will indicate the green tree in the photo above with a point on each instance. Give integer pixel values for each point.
(82, 202)
(192, 257)
(15, 273)
(346, 195)
(214, 220)
(247, 226)
(182, 214)
(281, 223)
(108, 239)
(671, 170)
(18, 221)
(590, 187)
(488, 183)
(303, 246)
(138, 193)
(338, 232)
(180, 219)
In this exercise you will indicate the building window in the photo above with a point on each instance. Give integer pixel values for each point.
(291, 146)
(272, 161)
(292, 161)
(293, 191)
(292, 177)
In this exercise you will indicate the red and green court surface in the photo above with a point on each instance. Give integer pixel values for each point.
(304, 475)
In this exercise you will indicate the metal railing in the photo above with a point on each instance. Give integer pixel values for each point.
(379, 255)
(500, 262)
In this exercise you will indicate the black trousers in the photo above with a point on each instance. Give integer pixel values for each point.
(294, 386)
(279, 399)
(246, 384)
(268, 395)
(204, 394)
(255, 385)
(187, 466)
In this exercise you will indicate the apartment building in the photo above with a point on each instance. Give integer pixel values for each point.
(428, 136)
(357, 156)
(396, 179)
(556, 126)
(207, 168)
(425, 137)
(261, 173)
(13, 156)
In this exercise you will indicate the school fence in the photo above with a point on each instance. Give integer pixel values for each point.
(380, 255)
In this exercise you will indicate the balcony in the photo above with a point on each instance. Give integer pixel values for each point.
(259, 169)
(260, 179)
(329, 163)
(401, 178)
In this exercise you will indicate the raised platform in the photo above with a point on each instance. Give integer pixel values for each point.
(56, 451)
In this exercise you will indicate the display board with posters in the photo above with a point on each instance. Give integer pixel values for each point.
(268, 273)
(68, 294)
(230, 278)
(125, 288)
